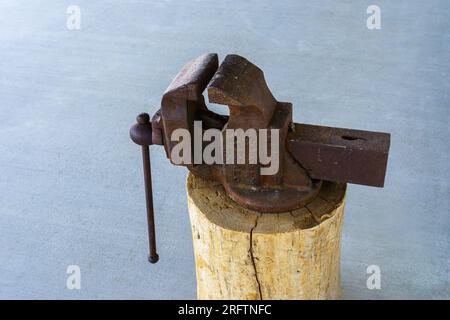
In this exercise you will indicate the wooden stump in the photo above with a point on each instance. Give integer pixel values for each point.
(243, 254)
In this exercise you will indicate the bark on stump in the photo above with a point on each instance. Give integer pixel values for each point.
(243, 254)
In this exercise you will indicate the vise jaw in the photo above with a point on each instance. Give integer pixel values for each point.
(306, 154)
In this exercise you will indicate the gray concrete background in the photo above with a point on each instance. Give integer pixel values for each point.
(71, 189)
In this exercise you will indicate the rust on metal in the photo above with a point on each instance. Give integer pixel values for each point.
(341, 155)
(308, 154)
(141, 134)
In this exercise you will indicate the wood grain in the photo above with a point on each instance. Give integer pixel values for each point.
(243, 254)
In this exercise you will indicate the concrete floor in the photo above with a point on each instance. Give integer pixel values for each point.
(71, 189)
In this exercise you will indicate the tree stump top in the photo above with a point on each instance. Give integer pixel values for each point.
(210, 197)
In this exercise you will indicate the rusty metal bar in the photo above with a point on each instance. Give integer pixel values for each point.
(141, 134)
(341, 155)
(153, 256)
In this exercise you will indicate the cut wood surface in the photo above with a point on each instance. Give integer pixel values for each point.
(243, 254)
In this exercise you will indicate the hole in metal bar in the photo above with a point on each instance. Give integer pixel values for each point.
(352, 138)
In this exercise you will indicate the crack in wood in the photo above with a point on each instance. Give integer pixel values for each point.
(313, 216)
(253, 258)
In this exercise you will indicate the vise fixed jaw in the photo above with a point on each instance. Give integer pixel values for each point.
(306, 154)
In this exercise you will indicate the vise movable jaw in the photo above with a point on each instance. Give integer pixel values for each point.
(307, 154)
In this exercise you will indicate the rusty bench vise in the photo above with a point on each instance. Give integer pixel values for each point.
(308, 154)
